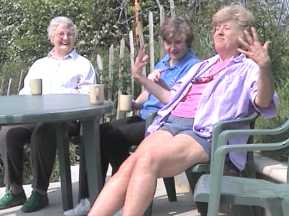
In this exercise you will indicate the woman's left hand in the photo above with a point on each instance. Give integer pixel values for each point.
(259, 53)
(252, 48)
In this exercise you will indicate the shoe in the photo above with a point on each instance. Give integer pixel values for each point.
(118, 213)
(10, 200)
(81, 209)
(35, 202)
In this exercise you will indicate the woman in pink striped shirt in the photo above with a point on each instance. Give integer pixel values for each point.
(232, 84)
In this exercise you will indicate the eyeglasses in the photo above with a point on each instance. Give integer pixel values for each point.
(62, 34)
(201, 80)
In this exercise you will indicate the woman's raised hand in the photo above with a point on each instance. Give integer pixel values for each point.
(140, 61)
(253, 48)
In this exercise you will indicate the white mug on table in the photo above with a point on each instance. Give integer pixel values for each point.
(125, 102)
(96, 93)
(36, 86)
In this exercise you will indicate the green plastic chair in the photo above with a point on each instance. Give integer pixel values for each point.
(195, 172)
(217, 188)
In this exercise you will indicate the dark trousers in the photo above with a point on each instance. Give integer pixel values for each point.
(117, 137)
(42, 139)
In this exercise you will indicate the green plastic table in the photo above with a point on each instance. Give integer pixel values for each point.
(58, 109)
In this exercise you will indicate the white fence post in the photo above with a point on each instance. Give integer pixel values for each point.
(20, 81)
(151, 42)
(132, 53)
(110, 72)
(99, 66)
(172, 8)
(9, 86)
(1, 87)
(120, 76)
(162, 20)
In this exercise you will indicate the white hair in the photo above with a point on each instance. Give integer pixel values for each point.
(56, 21)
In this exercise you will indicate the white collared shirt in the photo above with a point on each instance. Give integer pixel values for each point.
(61, 76)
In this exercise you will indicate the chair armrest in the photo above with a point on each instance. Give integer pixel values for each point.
(243, 120)
(222, 150)
(231, 124)
(219, 163)
(224, 136)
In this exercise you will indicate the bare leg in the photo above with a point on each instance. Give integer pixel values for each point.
(113, 194)
(159, 155)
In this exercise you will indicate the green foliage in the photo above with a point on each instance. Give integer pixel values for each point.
(23, 36)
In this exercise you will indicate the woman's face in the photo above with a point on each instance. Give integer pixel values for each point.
(226, 36)
(176, 48)
(63, 39)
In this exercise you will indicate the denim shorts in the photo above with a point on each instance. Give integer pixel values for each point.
(179, 125)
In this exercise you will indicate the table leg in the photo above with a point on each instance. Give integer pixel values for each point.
(64, 165)
(92, 157)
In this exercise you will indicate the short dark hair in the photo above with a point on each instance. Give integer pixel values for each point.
(175, 27)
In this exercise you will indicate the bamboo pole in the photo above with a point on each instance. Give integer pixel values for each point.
(151, 42)
(138, 28)
(140, 34)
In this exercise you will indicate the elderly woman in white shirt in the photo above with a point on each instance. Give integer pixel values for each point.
(62, 71)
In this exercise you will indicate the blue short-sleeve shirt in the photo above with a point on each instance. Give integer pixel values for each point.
(169, 76)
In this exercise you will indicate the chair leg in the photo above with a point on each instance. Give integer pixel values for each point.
(277, 208)
(285, 207)
(83, 186)
(202, 208)
(192, 179)
(240, 210)
(149, 210)
(170, 188)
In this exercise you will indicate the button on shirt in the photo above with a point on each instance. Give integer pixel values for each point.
(61, 76)
(169, 75)
(229, 96)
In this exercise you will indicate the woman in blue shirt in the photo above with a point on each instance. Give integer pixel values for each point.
(118, 136)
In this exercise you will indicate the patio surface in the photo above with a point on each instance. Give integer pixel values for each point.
(183, 207)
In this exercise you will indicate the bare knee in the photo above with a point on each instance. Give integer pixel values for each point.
(127, 166)
(147, 162)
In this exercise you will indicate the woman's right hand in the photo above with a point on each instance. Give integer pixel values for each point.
(140, 61)
(155, 75)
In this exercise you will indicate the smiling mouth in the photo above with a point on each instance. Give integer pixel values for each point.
(174, 53)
